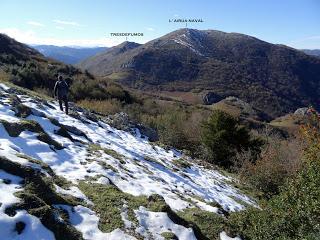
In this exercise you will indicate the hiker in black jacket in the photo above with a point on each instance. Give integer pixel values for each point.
(61, 89)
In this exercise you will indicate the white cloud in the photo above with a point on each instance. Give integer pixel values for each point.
(30, 37)
(71, 23)
(17, 34)
(59, 27)
(150, 29)
(37, 24)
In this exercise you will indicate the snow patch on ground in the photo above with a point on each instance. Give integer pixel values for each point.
(224, 236)
(126, 160)
(34, 230)
(124, 217)
(155, 223)
(192, 40)
(73, 191)
(86, 221)
(145, 169)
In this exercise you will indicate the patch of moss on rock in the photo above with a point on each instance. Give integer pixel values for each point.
(44, 137)
(38, 199)
(169, 236)
(54, 121)
(95, 148)
(181, 163)
(22, 110)
(60, 181)
(153, 160)
(64, 133)
(114, 154)
(14, 129)
(108, 166)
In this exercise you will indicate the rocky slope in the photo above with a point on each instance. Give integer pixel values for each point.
(273, 78)
(76, 177)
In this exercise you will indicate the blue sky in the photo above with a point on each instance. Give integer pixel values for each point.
(89, 22)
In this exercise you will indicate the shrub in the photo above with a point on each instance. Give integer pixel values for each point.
(96, 89)
(279, 160)
(168, 120)
(170, 127)
(88, 89)
(117, 92)
(223, 136)
(295, 212)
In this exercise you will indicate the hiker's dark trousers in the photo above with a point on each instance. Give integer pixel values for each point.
(65, 100)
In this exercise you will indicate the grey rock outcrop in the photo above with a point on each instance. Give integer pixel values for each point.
(121, 121)
(210, 98)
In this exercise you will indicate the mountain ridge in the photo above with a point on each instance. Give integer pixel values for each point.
(68, 54)
(312, 52)
(227, 63)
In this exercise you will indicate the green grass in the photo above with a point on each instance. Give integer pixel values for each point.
(114, 154)
(169, 236)
(38, 198)
(210, 224)
(95, 149)
(145, 168)
(108, 166)
(118, 76)
(108, 200)
(153, 160)
(181, 163)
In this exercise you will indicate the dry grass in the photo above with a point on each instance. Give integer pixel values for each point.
(188, 97)
(4, 77)
(290, 123)
(228, 108)
(280, 160)
(109, 106)
(117, 76)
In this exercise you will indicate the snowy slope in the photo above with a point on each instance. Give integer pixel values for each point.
(192, 39)
(95, 151)
(10, 184)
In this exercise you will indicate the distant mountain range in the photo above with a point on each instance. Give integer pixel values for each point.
(275, 79)
(68, 55)
(26, 67)
(313, 52)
